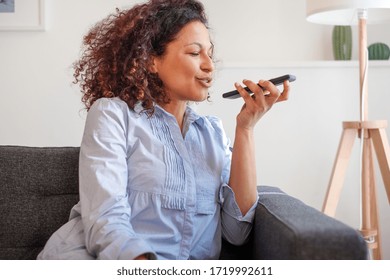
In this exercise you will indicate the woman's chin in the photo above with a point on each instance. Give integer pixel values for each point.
(203, 97)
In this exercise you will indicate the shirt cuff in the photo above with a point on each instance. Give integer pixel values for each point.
(135, 248)
(125, 248)
(229, 205)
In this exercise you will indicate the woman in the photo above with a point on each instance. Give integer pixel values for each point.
(158, 181)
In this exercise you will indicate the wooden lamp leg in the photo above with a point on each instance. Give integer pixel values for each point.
(339, 169)
(370, 223)
(381, 146)
(373, 136)
(382, 150)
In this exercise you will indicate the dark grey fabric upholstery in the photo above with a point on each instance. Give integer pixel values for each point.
(286, 228)
(39, 186)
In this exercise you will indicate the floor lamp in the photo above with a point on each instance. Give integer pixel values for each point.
(372, 133)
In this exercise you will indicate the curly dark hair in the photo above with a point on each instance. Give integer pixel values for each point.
(117, 52)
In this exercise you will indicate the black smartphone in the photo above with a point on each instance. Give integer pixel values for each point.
(276, 81)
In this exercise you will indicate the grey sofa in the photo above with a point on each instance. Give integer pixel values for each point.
(38, 187)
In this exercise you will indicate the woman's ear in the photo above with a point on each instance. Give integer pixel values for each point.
(153, 65)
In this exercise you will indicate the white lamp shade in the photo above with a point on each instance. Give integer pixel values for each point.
(345, 12)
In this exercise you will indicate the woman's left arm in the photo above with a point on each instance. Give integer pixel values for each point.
(243, 179)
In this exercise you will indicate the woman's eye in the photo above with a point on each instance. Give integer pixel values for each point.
(194, 53)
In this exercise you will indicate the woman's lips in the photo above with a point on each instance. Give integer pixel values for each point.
(206, 82)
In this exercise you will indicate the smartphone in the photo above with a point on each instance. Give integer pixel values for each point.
(276, 81)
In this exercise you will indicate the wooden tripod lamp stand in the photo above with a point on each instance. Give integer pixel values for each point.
(372, 133)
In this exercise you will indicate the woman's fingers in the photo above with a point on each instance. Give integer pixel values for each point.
(244, 93)
(274, 92)
(265, 94)
(286, 91)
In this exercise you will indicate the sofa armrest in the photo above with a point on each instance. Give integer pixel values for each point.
(286, 228)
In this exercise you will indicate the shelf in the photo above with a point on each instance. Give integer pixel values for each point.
(303, 64)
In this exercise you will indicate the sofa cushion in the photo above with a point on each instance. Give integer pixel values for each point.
(289, 229)
(38, 188)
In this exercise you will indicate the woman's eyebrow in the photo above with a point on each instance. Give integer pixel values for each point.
(200, 45)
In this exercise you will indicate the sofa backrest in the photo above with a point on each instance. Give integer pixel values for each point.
(38, 187)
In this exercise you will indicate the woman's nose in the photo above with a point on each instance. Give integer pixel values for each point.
(207, 64)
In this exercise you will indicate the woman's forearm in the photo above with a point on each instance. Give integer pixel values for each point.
(243, 178)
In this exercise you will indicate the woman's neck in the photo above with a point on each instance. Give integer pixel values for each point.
(177, 109)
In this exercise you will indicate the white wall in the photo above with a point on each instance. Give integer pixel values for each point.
(297, 140)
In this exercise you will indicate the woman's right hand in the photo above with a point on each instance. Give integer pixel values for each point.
(258, 104)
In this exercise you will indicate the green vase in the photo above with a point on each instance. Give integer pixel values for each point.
(342, 42)
(378, 51)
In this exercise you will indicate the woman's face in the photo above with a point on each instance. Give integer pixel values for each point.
(186, 68)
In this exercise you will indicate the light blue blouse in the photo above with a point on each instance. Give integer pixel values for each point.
(147, 187)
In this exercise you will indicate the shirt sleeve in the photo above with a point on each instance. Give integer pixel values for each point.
(103, 178)
(236, 228)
